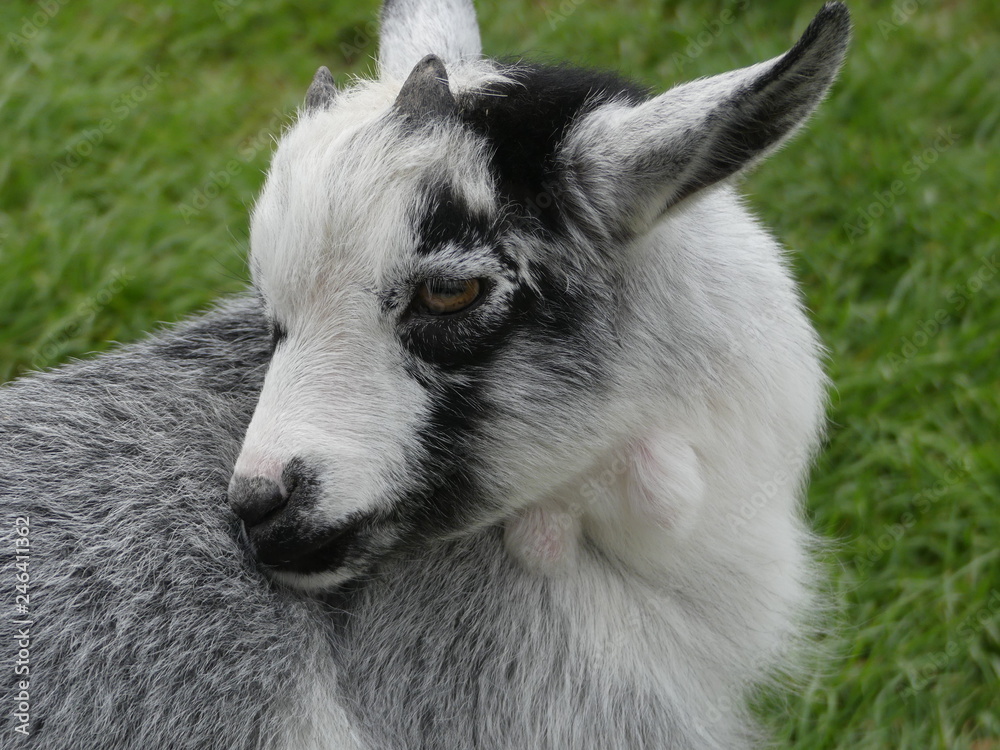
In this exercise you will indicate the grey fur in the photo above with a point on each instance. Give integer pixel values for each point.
(150, 623)
(153, 628)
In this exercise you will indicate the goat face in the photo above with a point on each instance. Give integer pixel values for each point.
(446, 269)
(431, 354)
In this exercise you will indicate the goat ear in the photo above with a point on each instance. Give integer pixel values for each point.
(626, 165)
(413, 29)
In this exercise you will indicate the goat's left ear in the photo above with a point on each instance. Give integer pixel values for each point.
(626, 165)
(412, 29)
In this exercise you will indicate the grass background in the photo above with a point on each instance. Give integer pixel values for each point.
(135, 136)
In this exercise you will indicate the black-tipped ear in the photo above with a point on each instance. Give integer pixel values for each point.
(425, 94)
(780, 100)
(627, 165)
(322, 90)
(412, 29)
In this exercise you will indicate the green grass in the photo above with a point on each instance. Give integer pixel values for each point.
(148, 222)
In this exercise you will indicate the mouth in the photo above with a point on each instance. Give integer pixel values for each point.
(290, 552)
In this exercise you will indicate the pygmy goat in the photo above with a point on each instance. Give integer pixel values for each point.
(505, 450)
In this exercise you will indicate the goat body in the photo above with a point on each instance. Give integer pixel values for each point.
(515, 427)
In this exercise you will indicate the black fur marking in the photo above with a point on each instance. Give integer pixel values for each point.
(471, 339)
(525, 120)
(290, 541)
(441, 502)
(448, 218)
(278, 335)
(524, 123)
(325, 550)
(277, 539)
(562, 326)
(456, 341)
(468, 337)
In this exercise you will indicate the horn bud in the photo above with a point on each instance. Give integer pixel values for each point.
(425, 94)
(322, 91)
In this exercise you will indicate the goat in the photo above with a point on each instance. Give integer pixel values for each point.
(505, 448)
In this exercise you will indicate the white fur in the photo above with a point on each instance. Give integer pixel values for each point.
(412, 29)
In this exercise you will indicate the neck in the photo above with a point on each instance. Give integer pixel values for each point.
(609, 610)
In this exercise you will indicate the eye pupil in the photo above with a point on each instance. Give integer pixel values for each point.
(439, 296)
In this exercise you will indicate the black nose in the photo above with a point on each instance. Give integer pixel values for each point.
(254, 499)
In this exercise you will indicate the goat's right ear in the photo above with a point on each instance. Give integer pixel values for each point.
(626, 165)
(413, 29)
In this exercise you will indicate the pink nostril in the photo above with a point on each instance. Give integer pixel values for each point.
(250, 465)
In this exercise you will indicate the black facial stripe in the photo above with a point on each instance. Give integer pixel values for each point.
(440, 501)
(555, 319)
(294, 551)
(468, 337)
(525, 120)
(448, 219)
(523, 123)
(563, 329)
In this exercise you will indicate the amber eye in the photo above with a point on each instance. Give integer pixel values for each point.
(447, 296)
